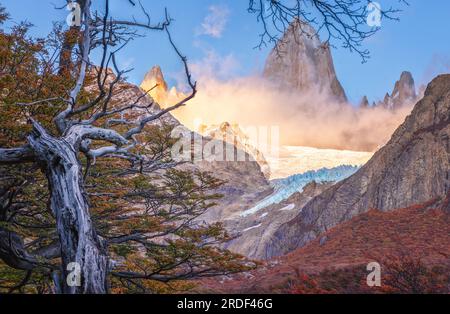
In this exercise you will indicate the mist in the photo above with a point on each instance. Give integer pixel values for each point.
(304, 119)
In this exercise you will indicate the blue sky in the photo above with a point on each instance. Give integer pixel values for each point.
(418, 43)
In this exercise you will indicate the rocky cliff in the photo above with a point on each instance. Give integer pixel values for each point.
(403, 94)
(155, 83)
(255, 231)
(404, 90)
(233, 134)
(156, 86)
(301, 62)
(412, 168)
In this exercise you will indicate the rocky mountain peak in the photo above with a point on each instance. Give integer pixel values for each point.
(155, 83)
(404, 93)
(364, 103)
(301, 62)
(404, 89)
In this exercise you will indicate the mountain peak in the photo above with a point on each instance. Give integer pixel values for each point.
(155, 83)
(404, 93)
(364, 103)
(439, 85)
(155, 74)
(407, 77)
(404, 89)
(301, 62)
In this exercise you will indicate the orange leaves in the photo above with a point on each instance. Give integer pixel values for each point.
(141, 223)
(412, 245)
(305, 284)
(403, 273)
(26, 75)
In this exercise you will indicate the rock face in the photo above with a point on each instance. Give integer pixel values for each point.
(255, 231)
(158, 89)
(404, 90)
(233, 134)
(244, 182)
(155, 83)
(364, 103)
(126, 92)
(412, 168)
(301, 62)
(404, 93)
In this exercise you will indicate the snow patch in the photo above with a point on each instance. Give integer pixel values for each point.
(288, 207)
(253, 227)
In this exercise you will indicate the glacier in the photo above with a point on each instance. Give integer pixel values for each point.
(284, 188)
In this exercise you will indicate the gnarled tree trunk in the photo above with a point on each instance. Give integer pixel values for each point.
(79, 242)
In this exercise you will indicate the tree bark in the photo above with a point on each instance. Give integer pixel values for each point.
(13, 252)
(79, 241)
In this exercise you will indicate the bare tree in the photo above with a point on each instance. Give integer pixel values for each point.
(77, 127)
(342, 21)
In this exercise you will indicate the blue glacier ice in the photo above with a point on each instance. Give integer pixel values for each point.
(284, 188)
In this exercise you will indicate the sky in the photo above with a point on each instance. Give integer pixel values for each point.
(223, 35)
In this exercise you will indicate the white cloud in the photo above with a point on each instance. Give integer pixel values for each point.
(439, 64)
(211, 65)
(215, 65)
(214, 23)
(307, 119)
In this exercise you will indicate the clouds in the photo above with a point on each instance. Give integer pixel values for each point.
(439, 64)
(304, 118)
(215, 65)
(215, 21)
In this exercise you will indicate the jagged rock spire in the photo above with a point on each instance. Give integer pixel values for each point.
(404, 93)
(154, 81)
(364, 103)
(404, 89)
(301, 62)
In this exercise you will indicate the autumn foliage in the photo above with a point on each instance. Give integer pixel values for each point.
(149, 218)
(412, 246)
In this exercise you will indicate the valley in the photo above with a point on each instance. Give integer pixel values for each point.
(211, 176)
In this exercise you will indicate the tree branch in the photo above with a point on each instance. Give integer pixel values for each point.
(16, 155)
